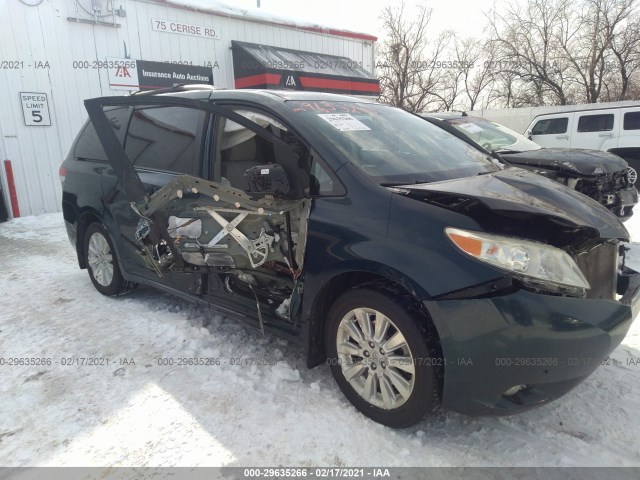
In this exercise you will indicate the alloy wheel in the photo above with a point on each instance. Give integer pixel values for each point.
(375, 358)
(100, 259)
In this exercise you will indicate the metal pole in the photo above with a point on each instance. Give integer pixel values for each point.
(13, 195)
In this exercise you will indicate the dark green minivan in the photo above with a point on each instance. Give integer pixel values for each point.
(421, 269)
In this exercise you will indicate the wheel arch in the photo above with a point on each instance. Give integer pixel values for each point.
(630, 154)
(384, 280)
(86, 217)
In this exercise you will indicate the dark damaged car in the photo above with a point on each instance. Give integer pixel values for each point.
(603, 176)
(414, 264)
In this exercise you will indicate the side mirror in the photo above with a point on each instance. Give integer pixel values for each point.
(529, 136)
(268, 179)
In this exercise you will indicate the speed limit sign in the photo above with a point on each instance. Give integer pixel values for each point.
(35, 109)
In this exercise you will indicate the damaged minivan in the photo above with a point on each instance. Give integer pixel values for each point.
(603, 176)
(422, 270)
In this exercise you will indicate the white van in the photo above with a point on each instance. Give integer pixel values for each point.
(615, 130)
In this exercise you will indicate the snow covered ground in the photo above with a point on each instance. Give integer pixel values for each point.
(228, 415)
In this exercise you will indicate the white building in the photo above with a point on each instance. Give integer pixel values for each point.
(56, 53)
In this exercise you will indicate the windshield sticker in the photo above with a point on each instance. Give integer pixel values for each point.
(343, 121)
(471, 127)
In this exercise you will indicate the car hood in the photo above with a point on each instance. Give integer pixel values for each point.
(515, 192)
(570, 160)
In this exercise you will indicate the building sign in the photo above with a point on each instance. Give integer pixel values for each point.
(35, 109)
(263, 66)
(147, 75)
(123, 74)
(170, 26)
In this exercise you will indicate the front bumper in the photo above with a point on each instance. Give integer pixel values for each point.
(547, 343)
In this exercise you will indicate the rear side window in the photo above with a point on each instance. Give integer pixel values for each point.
(88, 146)
(551, 126)
(631, 121)
(165, 138)
(596, 123)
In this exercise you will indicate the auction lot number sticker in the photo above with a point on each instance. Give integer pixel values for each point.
(343, 122)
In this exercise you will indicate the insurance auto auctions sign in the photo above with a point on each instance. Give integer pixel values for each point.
(171, 26)
(123, 74)
(147, 75)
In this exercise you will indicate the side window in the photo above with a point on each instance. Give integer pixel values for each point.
(239, 149)
(595, 123)
(551, 126)
(165, 138)
(631, 121)
(88, 146)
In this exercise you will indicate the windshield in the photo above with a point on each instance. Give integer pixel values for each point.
(492, 136)
(391, 145)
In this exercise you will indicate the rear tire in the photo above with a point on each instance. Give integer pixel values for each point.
(102, 262)
(381, 359)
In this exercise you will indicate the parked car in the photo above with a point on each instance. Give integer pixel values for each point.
(419, 268)
(615, 130)
(605, 177)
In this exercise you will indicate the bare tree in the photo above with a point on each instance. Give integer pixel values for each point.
(540, 52)
(474, 59)
(586, 40)
(525, 41)
(407, 78)
(567, 51)
(625, 47)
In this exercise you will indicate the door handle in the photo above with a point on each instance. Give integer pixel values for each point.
(606, 135)
(563, 137)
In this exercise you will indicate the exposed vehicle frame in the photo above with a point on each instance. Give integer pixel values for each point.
(603, 176)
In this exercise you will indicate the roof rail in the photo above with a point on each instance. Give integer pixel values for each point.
(180, 87)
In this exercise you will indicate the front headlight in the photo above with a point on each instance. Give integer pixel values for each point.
(529, 259)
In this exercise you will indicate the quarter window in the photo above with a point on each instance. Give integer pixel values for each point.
(88, 146)
(631, 121)
(551, 126)
(596, 123)
(323, 181)
(165, 138)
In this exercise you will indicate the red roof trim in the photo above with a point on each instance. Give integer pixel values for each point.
(309, 28)
(259, 79)
(347, 85)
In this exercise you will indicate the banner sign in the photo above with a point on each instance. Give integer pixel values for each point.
(148, 75)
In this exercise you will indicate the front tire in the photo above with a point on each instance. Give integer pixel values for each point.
(381, 359)
(102, 262)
